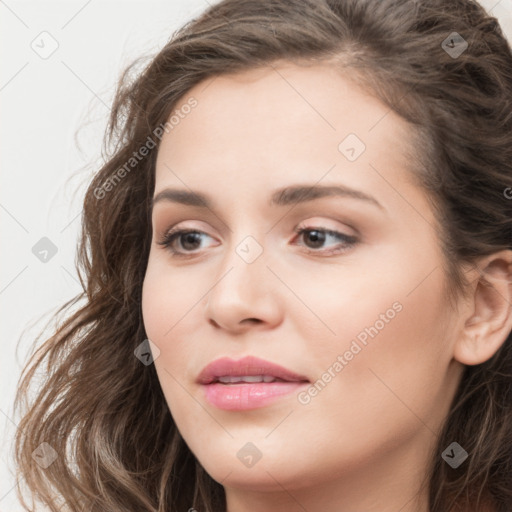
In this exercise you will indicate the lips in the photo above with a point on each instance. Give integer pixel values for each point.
(249, 370)
(249, 383)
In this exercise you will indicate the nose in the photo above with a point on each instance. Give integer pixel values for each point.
(244, 294)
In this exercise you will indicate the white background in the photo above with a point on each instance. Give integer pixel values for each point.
(54, 113)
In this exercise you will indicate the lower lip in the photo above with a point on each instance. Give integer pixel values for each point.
(242, 397)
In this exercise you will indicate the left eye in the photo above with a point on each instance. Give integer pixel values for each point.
(319, 235)
(190, 238)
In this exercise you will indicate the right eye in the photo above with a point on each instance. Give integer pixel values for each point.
(189, 239)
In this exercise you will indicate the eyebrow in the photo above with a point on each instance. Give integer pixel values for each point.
(290, 195)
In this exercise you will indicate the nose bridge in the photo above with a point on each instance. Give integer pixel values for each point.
(241, 289)
(243, 264)
(245, 245)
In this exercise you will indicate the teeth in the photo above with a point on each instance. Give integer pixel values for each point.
(246, 378)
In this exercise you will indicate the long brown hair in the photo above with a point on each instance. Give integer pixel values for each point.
(115, 444)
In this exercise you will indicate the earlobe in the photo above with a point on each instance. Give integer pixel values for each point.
(489, 322)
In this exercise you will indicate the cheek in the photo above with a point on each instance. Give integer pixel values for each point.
(156, 306)
(169, 300)
(394, 358)
(391, 320)
(167, 296)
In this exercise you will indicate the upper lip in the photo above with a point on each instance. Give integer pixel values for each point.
(248, 365)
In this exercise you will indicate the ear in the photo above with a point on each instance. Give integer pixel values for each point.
(489, 320)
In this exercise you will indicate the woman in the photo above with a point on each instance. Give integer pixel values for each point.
(296, 266)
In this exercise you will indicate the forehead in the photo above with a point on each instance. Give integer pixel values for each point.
(281, 123)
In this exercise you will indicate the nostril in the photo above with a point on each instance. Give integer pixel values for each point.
(242, 322)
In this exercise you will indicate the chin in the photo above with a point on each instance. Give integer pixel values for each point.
(268, 473)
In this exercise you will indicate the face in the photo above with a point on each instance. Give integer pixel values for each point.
(343, 287)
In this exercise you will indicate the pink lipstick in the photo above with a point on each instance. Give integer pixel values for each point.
(248, 383)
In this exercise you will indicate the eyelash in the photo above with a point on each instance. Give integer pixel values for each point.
(348, 240)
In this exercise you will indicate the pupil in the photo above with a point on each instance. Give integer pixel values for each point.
(317, 237)
(189, 237)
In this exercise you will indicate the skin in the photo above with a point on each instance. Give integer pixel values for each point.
(362, 444)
